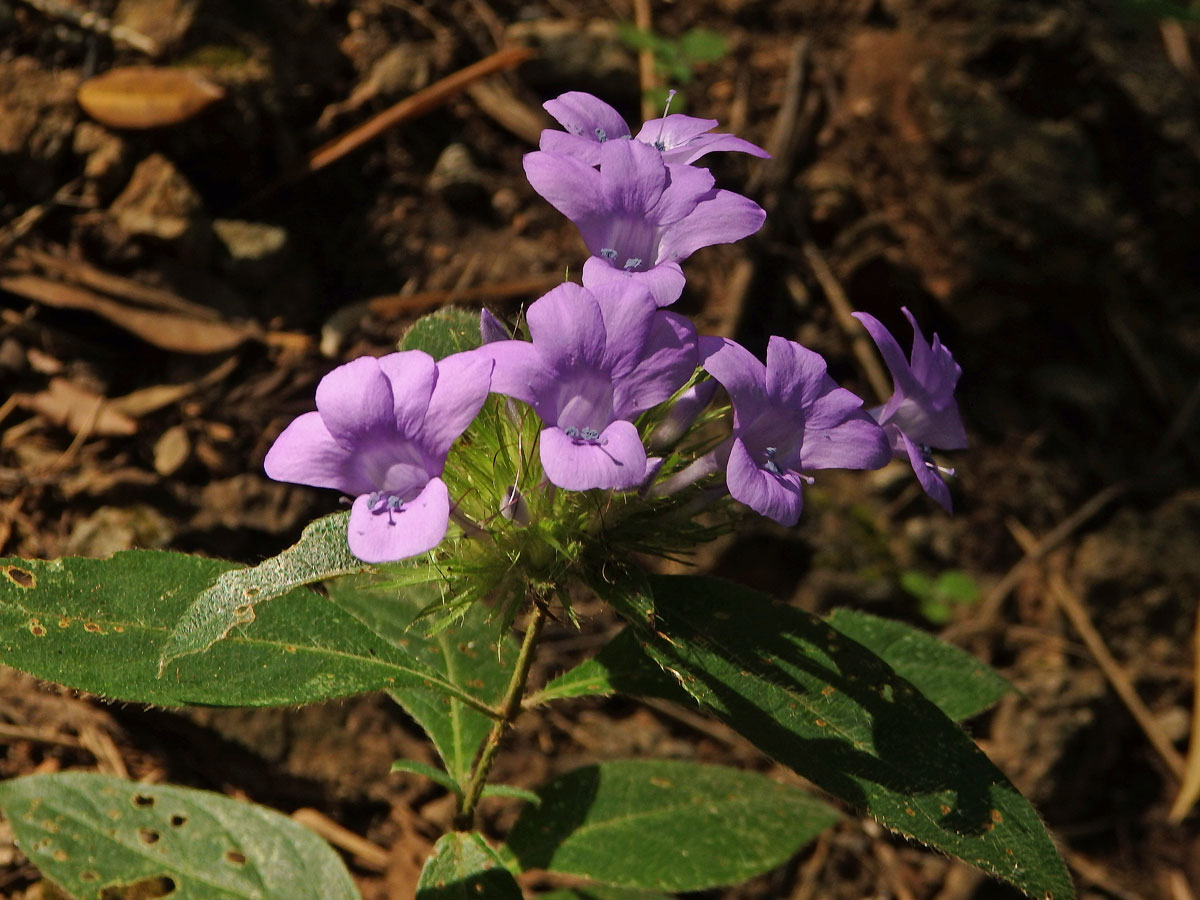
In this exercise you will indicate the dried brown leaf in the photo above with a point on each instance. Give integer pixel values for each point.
(183, 334)
(146, 96)
(65, 403)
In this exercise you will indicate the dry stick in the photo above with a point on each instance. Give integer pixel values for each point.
(391, 306)
(369, 854)
(772, 173)
(17, 228)
(646, 79)
(1069, 602)
(417, 105)
(90, 21)
(860, 343)
(1189, 791)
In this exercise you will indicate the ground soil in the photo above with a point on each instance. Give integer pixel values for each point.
(1024, 177)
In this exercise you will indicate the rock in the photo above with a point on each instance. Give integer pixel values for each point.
(256, 252)
(158, 202)
(37, 112)
(589, 56)
(163, 21)
(113, 528)
(456, 177)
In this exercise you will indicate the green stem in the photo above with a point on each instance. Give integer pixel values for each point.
(509, 709)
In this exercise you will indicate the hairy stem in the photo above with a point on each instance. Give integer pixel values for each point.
(509, 709)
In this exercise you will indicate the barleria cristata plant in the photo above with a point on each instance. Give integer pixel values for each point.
(492, 475)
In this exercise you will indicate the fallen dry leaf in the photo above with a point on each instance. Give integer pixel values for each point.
(146, 96)
(65, 403)
(171, 331)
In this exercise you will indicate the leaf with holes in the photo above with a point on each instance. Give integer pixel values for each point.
(100, 624)
(959, 684)
(665, 825)
(471, 654)
(88, 833)
(839, 715)
(464, 867)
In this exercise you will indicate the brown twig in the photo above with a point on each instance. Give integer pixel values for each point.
(860, 343)
(394, 306)
(1069, 602)
(1189, 791)
(409, 108)
(90, 21)
(646, 75)
(370, 855)
(780, 143)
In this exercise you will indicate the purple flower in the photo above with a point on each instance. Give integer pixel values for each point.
(599, 358)
(638, 216)
(590, 122)
(381, 433)
(788, 416)
(921, 413)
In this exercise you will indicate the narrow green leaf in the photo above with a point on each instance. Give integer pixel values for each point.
(839, 715)
(90, 832)
(959, 684)
(437, 776)
(511, 792)
(320, 553)
(100, 625)
(469, 653)
(665, 825)
(621, 659)
(446, 331)
(464, 867)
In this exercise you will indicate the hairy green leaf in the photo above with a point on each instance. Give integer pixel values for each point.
(464, 867)
(449, 330)
(835, 712)
(621, 659)
(959, 684)
(90, 832)
(665, 825)
(470, 654)
(320, 553)
(100, 625)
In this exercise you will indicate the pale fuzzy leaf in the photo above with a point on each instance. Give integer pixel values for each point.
(89, 832)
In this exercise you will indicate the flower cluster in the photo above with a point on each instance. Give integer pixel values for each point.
(608, 371)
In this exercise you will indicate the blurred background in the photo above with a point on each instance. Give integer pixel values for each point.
(200, 215)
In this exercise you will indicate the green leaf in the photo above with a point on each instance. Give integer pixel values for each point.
(621, 659)
(665, 825)
(446, 331)
(464, 867)
(437, 776)
(100, 625)
(320, 553)
(960, 685)
(700, 45)
(603, 892)
(470, 653)
(837, 714)
(89, 832)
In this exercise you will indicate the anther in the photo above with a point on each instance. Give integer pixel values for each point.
(633, 262)
(601, 135)
(609, 253)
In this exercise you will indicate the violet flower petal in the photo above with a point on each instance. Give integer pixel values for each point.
(411, 374)
(616, 461)
(723, 217)
(740, 372)
(384, 535)
(566, 324)
(520, 372)
(855, 444)
(464, 381)
(684, 139)
(587, 116)
(928, 476)
(776, 496)
(306, 453)
(355, 401)
(669, 359)
(573, 188)
(664, 282)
